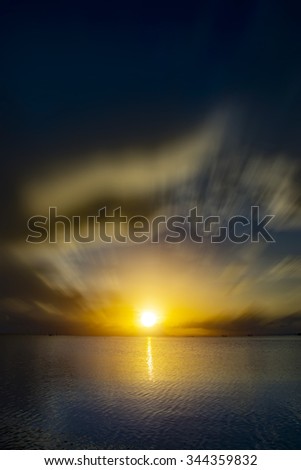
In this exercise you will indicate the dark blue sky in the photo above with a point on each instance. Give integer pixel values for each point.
(77, 75)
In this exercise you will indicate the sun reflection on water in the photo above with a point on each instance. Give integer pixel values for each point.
(149, 359)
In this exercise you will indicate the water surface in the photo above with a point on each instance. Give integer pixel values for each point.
(65, 392)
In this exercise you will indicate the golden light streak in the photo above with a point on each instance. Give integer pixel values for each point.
(150, 359)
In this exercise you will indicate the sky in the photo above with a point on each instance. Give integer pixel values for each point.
(155, 108)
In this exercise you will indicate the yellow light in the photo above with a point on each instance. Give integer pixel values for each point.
(148, 318)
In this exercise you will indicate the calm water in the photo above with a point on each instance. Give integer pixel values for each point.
(143, 393)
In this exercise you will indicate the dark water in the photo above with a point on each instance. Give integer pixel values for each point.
(143, 393)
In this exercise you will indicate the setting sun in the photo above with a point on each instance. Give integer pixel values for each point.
(148, 318)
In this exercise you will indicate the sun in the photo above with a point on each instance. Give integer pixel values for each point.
(148, 318)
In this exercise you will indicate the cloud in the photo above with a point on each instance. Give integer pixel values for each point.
(29, 305)
(288, 268)
(127, 174)
(247, 323)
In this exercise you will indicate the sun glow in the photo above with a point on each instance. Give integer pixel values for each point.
(148, 318)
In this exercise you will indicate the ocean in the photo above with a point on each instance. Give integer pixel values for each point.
(68, 392)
